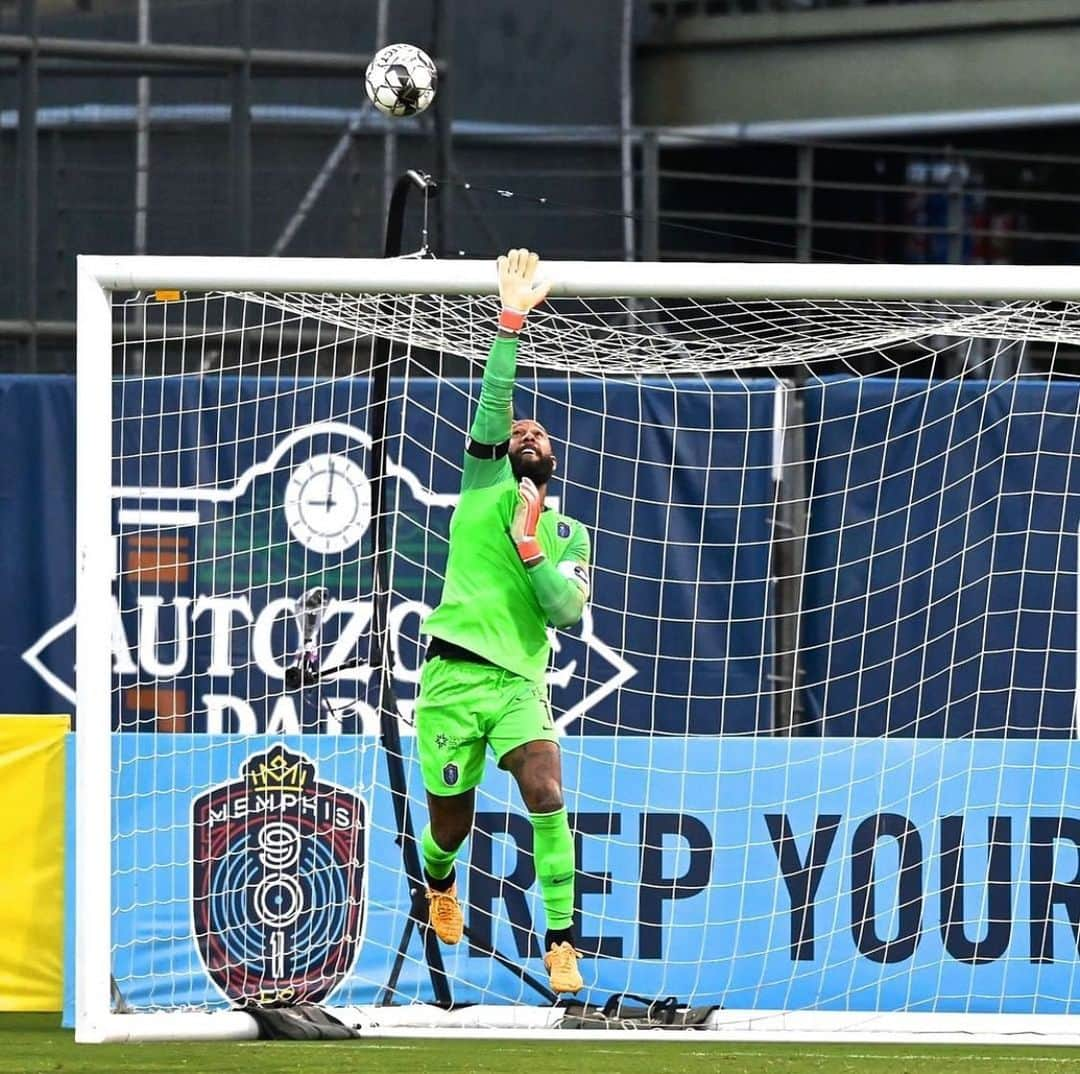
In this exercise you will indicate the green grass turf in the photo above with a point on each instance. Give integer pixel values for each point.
(35, 1044)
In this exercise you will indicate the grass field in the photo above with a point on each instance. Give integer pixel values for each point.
(35, 1044)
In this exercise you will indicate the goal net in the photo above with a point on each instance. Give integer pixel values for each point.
(817, 721)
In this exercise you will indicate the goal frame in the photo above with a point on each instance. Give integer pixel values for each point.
(99, 276)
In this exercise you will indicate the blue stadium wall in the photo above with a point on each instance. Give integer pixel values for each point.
(940, 597)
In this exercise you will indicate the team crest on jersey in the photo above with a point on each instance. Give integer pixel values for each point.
(278, 865)
(450, 774)
(563, 530)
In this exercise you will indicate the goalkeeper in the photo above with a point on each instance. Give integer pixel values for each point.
(513, 568)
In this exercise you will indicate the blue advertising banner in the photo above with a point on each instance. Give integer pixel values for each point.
(939, 598)
(37, 528)
(941, 571)
(757, 873)
(232, 496)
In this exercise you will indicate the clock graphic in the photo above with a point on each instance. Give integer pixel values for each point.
(328, 503)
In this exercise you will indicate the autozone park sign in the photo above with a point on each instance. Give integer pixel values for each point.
(217, 664)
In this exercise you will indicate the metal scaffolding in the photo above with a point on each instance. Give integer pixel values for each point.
(247, 174)
(32, 57)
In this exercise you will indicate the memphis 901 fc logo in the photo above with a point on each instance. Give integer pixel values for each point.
(278, 872)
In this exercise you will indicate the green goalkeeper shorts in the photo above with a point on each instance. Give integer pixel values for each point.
(465, 706)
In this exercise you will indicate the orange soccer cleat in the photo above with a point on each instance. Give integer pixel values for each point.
(561, 962)
(444, 914)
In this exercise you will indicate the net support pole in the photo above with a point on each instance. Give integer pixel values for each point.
(380, 647)
(95, 560)
(788, 554)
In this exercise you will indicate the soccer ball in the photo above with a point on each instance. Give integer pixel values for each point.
(400, 80)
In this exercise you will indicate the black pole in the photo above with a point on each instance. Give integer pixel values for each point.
(240, 131)
(26, 190)
(380, 652)
(379, 657)
(442, 35)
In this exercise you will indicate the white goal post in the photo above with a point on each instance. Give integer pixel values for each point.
(922, 601)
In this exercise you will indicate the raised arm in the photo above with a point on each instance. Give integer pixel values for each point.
(489, 435)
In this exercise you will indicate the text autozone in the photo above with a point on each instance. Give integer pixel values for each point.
(206, 626)
(210, 622)
(216, 618)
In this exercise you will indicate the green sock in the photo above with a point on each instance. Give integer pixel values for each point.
(439, 863)
(553, 854)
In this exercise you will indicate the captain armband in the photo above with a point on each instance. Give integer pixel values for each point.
(492, 452)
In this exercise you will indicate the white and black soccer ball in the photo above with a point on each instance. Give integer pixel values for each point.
(400, 80)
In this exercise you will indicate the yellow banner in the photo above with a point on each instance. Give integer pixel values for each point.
(31, 862)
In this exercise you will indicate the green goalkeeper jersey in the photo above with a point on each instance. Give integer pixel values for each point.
(492, 605)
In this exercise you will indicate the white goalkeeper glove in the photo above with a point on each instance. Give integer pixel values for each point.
(517, 289)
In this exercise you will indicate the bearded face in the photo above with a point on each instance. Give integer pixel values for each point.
(530, 452)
